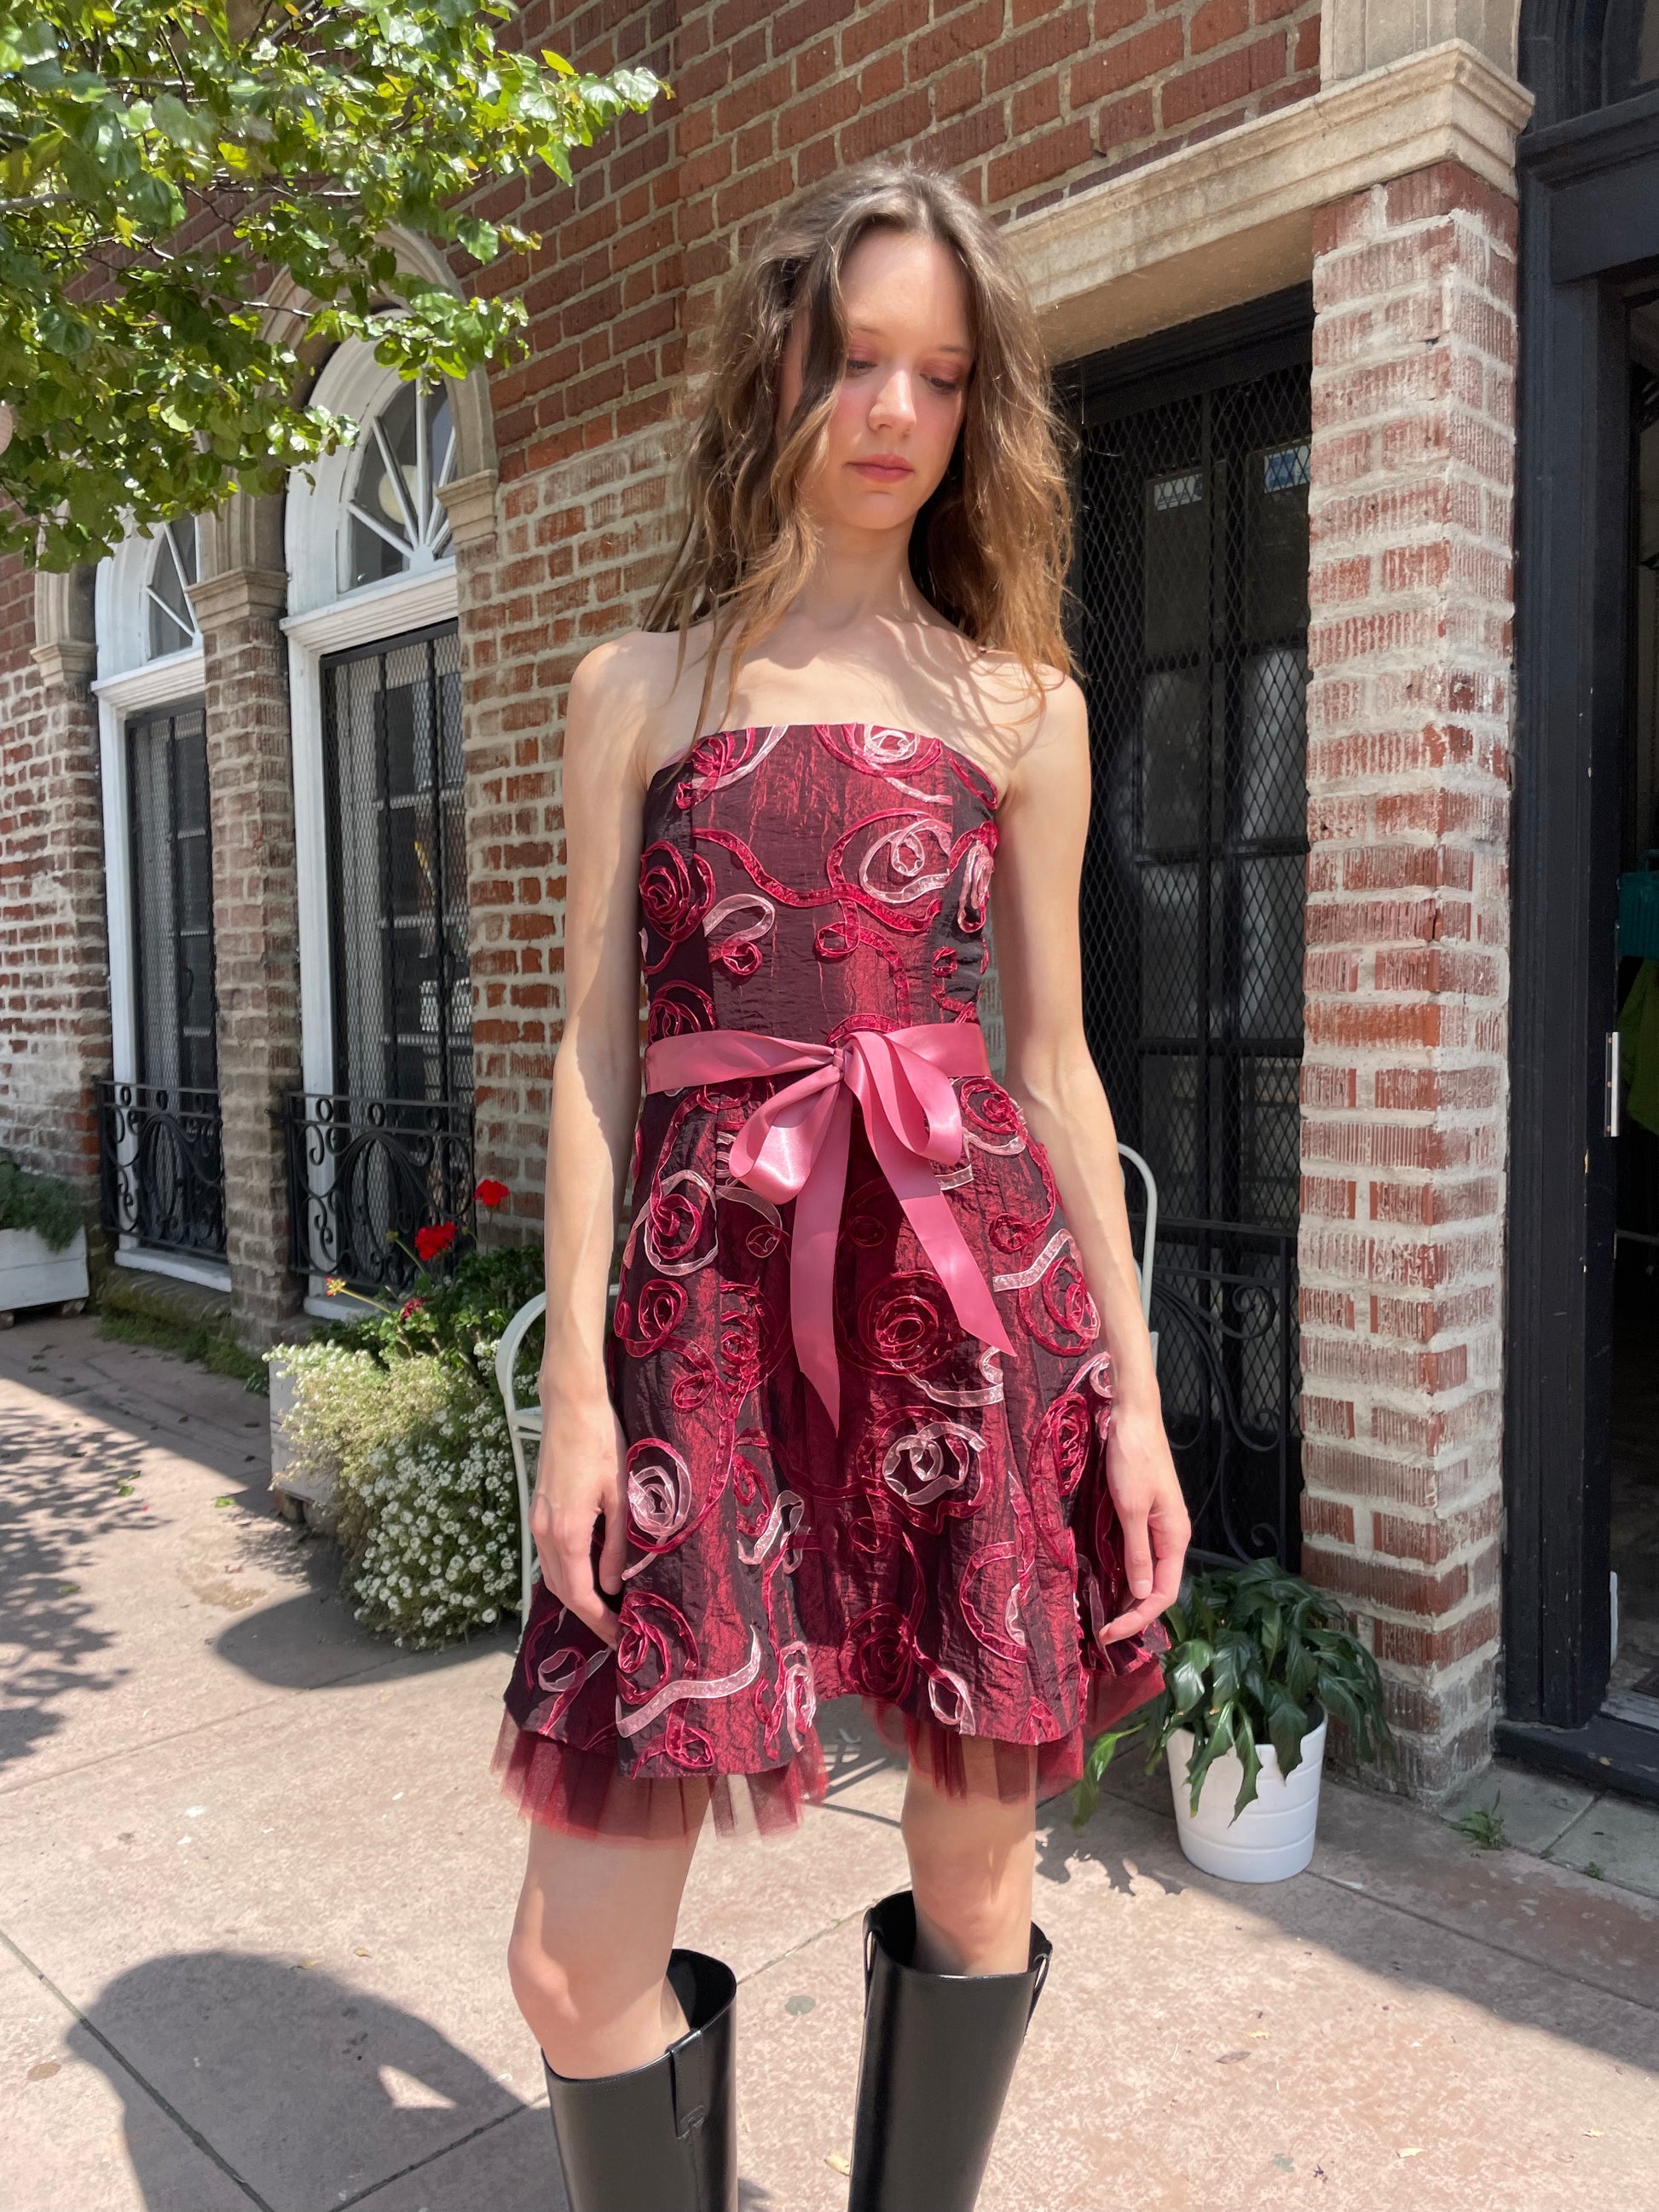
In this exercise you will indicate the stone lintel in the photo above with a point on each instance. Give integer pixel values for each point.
(1231, 218)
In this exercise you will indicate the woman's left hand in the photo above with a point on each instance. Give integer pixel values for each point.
(1152, 1516)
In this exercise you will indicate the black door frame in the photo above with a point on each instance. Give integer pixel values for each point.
(1589, 220)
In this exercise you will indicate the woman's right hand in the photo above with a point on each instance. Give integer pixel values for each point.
(582, 1479)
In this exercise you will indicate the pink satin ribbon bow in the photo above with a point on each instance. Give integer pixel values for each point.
(794, 1145)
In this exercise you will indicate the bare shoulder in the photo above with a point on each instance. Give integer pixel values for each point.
(1062, 726)
(1034, 732)
(617, 695)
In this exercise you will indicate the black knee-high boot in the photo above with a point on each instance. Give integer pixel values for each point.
(661, 2138)
(939, 2051)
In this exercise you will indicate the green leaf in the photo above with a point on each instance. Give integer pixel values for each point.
(1244, 1745)
(1287, 1725)
(1186, 1674)
(1214, 1743)
(175, 122)
(481, 240)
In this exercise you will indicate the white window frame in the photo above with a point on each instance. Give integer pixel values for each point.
(168, 681)
(322, 620)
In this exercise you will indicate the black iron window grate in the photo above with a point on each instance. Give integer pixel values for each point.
(403, 1018)
(366, 1175)
(1192, 583)
(160, 1141)
(162, 1167)
(388, 1152)
(172, 842)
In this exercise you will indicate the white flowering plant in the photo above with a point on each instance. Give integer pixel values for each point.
(401, 1412)
(436, 1553)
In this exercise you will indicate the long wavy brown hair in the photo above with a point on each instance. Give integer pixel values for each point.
(989, 550)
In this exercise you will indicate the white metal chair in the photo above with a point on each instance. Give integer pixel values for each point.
(1149, 1239)
(524, 1433)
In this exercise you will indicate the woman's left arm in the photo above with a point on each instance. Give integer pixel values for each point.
(1042, 824)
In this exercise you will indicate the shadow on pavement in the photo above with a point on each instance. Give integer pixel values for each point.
(311, 1642)
(60, 1496)
(304, 2090)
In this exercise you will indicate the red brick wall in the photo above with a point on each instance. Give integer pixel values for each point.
(1023, 102)
(54, 979)
(1404, 1083)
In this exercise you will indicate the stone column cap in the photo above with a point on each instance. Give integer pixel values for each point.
(237, 595)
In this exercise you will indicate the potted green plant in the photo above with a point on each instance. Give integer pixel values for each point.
(43, 1242)
(1258, 1659)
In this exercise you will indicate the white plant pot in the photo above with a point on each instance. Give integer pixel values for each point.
(314, 1491)
(1274, 1837)
(32, 1274)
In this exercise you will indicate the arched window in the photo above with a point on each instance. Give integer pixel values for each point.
(404, 454)
(173, 570)
(370, 514)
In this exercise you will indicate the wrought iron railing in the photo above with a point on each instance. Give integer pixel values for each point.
(1225, 1307)
(163, 1167)
(366, 1175)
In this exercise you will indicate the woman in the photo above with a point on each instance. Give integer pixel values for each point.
(875, 1410)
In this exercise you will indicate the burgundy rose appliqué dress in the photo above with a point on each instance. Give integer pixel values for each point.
(949, 1552)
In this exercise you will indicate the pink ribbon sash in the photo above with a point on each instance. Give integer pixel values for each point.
(794, 1145)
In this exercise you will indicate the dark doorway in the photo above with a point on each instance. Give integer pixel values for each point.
(163, 1174)
(1192, 578)
(1633, 1459)
(1582, 1416)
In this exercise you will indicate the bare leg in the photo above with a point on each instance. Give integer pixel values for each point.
(588, 1958)
(972, 1862)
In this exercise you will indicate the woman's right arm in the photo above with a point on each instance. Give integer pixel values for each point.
(581, 1476)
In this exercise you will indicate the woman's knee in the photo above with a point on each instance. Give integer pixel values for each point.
(548, 1986)
(971, 1866)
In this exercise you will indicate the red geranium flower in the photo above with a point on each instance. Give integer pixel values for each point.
(430, 1242)
(491, 1194)
(413, 1306)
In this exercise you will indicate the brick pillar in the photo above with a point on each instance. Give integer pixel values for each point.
(54, 944)
(579, 546)
(255, 925)
(1404, 1079)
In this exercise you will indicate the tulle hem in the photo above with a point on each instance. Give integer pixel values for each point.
(582, 1793)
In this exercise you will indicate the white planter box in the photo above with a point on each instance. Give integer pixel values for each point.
(1274, 1837)
(32, 1274)
(313, 1491)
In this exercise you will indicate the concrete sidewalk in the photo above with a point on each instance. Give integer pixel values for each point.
(255, 1887)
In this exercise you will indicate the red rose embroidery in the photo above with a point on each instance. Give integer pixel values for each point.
(674, 893)
(878, 1653)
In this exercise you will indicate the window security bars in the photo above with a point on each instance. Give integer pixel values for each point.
(172, 898)
(1192, 575)
(402, 1006)
(389, 1150)
(365, 1176)
(161, 1167)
